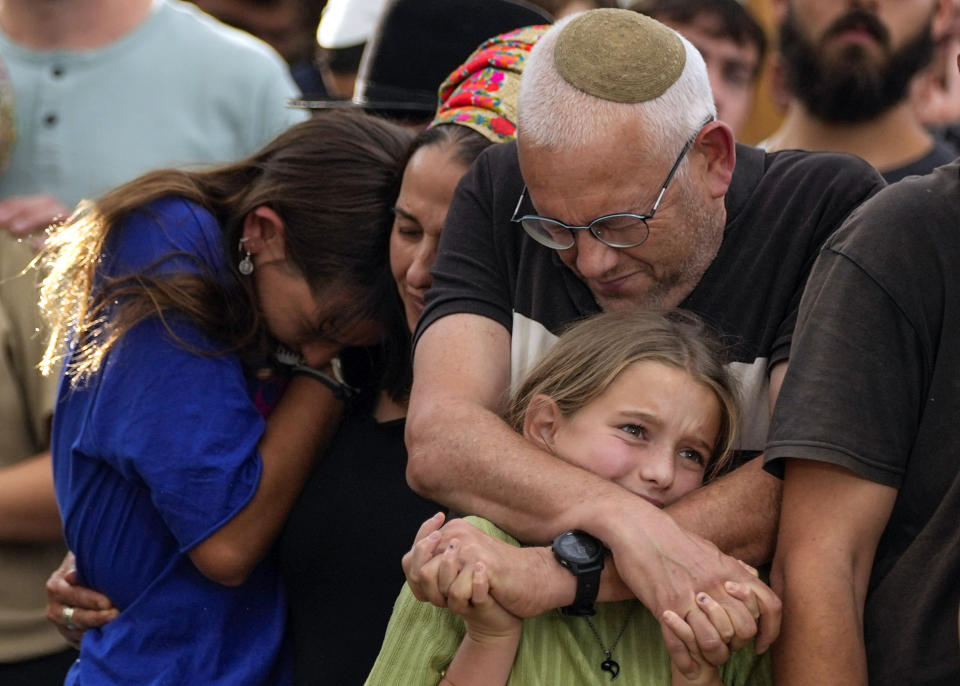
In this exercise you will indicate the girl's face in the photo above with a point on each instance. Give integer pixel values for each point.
(429, 181)
(652, 431)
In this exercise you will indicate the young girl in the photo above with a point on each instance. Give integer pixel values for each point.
(638, 398)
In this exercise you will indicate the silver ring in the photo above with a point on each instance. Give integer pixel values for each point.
(68, 618)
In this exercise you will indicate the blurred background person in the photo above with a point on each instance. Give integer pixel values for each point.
(732, 43)
(414, 47)
(109, 89)
(935, 92)
(289, 26)
(847, 68)
(559, 9)
(343, 31)
(106, 90)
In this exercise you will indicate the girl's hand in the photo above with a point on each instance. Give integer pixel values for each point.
(72, 608)
(525, 581)
(706, 674)
(469, 596)
(487, 652)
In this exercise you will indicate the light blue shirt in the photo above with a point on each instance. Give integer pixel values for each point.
(181, 88)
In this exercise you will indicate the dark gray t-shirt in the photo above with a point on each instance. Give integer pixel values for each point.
(874, 386)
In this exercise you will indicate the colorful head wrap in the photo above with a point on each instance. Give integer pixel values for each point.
(482, 93)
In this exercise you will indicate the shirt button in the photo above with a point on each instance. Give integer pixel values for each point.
(50, 120)
(57, 71)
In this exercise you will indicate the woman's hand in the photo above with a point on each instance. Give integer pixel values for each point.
(72, 608)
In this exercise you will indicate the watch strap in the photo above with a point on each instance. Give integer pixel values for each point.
(588, 586)
(586, 569)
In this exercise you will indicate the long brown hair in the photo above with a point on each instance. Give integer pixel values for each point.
(592, 353)
(332, 180)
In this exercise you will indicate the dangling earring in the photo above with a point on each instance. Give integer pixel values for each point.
(246, 264)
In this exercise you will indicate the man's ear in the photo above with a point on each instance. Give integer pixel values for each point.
(264, 234)
(541, 422)
(718, 155)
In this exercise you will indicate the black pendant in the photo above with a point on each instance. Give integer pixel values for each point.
(611, 666)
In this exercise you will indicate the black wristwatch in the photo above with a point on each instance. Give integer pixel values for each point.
(582, 555)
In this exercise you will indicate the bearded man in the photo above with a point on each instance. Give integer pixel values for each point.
(847, 67)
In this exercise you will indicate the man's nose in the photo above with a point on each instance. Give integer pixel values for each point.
(594, 258)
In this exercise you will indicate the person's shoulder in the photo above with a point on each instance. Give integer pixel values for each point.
(166, 226)
(828, 168)
(916, 210)
(188, 23)
(767, 182)
(500, 157)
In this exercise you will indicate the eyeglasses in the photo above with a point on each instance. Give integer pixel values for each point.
(620, 230)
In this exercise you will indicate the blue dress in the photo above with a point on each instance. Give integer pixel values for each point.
(152, 455)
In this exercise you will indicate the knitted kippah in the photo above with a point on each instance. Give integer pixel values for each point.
(619, 55)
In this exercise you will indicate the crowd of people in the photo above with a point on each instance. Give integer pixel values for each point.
(514, 367)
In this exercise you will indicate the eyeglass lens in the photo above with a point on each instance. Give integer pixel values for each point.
(619, 230)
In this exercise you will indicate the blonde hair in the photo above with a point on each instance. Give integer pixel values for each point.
(593, 352)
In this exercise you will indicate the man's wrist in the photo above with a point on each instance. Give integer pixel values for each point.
(559, 586)
(616, 518)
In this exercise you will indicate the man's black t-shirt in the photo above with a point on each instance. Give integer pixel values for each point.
(780, 209)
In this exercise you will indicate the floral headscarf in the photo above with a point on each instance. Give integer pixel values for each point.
(482, 93)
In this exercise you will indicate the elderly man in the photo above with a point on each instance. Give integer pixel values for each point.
(620, 193)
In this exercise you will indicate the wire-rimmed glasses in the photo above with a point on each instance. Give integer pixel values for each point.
(619, 230)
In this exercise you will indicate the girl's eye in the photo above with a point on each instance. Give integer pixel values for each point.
(693, 456)
(634, 430)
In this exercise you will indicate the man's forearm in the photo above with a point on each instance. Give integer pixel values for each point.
(832, 521)
(738, 513)
(467, 458)
(821, 641)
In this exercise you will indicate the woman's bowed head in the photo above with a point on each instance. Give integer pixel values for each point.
(168, 300)
(304, 221)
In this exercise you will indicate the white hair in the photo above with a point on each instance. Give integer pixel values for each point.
(556, 115)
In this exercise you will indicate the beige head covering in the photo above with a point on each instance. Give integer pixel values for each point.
(619, 55)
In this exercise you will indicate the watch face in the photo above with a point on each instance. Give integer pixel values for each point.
(578, 547)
